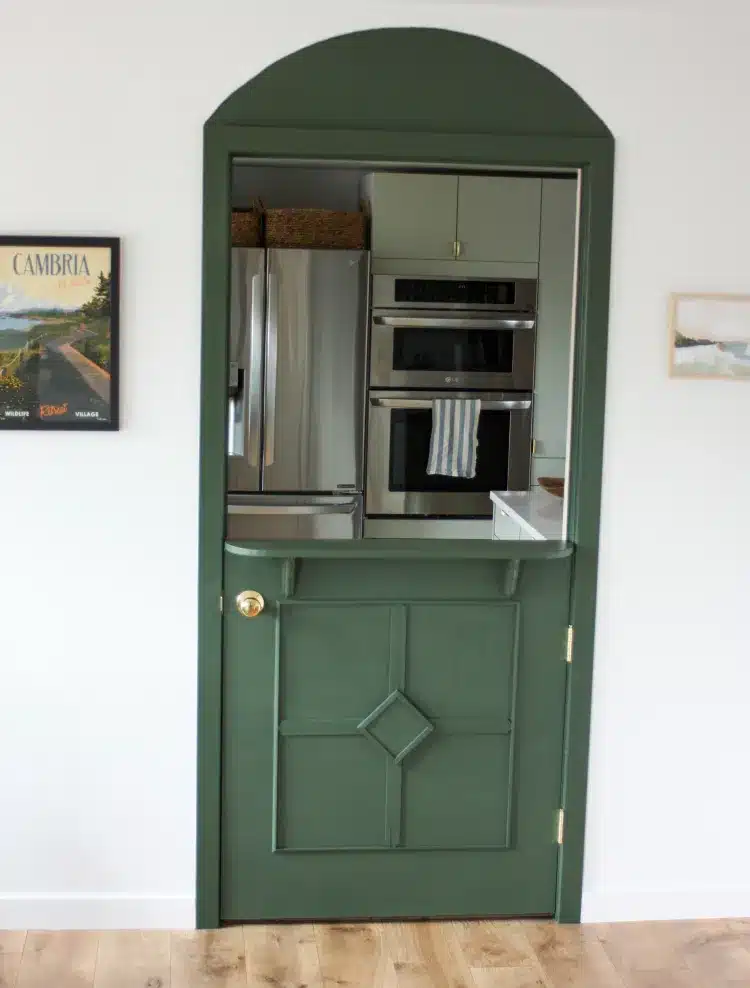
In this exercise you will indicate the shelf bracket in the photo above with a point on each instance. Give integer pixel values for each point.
(289, 572)
(512, 574)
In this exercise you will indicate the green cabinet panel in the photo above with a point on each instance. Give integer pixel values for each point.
(557, 260)
(413, 215)
(392, 753)
(498, 218)
(441, 217)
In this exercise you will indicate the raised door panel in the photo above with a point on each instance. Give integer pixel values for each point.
(386, 704)
(498, 218)
(313, 773)
(327, 681)
(457, 787)
(413, 216)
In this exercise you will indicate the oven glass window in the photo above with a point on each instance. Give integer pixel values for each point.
(453, 350)
(410, 449)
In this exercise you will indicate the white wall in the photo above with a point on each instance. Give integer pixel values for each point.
(295, 188)
(102, 114)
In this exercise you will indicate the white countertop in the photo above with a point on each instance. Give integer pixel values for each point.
(539, 514)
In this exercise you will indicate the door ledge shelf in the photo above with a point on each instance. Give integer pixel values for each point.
(401, 549)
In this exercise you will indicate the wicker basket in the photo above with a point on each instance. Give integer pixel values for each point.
(247, 228)
(315, 228)
(553, 485)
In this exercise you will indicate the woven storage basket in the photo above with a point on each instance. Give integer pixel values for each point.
(315, 228)
(553, 485)
(247, 228)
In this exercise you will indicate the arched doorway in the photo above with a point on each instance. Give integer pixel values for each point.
(414, 97)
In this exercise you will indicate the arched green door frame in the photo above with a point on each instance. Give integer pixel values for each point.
(276, 117)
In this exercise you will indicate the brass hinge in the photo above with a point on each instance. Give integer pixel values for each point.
(221, 605)
(560, 825)
(457, 247)
(533, 447)
(569, 644)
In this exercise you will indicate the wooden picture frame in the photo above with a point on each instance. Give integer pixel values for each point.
(59, 333)
(709, 336)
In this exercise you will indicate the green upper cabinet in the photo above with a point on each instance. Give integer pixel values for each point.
(498, 218)
(413, 215)
(450, 217)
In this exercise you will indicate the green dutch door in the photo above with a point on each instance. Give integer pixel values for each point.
(392, 739)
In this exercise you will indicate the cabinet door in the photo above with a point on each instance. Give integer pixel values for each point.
(414, 215)
(498, 218)
(503, 526)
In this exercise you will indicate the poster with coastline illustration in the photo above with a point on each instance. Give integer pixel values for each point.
(710, 336)
(59, 332)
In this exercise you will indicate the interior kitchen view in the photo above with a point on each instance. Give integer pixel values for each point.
(400, 353)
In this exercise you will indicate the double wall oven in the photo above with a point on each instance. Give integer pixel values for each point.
(448, 338)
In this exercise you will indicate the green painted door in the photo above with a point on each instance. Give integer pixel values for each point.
(392, 739)
(413, 215)
(498, 218)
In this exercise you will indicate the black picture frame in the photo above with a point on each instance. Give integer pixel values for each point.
(66, 381)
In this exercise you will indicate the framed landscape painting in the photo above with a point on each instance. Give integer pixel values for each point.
(59, 332)
(710, 336)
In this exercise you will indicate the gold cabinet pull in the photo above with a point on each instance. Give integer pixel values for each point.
(250, 603)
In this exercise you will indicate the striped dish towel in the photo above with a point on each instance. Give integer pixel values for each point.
(453, 444)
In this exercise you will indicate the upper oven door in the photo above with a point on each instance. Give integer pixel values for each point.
(398, 448)
(439, 349)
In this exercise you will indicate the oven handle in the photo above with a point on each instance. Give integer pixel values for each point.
(345, 508)
(492, 405)
(452, 322)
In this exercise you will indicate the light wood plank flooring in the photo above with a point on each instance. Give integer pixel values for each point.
(710, 954)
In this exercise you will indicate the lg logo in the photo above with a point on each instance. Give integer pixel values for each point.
(452, 380)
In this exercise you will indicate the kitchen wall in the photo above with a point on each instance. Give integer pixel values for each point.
(102, 130)
(294, 188)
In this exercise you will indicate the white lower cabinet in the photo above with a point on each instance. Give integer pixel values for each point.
(503, 526)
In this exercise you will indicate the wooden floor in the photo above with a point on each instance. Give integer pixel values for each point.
(388, 955)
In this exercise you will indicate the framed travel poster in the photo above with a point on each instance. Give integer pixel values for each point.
(59, 332)
(709, 336)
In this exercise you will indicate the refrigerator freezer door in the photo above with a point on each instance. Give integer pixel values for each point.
(314, 370)
(284, 517)
(246, 331)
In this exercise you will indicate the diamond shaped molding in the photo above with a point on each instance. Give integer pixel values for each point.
(396, 726)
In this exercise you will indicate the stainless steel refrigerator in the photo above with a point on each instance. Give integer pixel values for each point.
(296, 393)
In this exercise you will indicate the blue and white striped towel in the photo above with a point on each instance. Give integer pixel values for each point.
(453, 444)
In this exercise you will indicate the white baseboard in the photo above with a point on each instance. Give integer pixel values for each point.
(626, 905)
(97, 914)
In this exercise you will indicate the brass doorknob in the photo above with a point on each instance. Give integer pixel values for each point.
(250, 603)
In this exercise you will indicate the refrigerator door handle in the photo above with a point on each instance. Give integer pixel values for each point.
(272, 351)
(254, 365)
(234, 400)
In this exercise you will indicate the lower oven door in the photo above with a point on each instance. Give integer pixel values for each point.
(398, 446)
